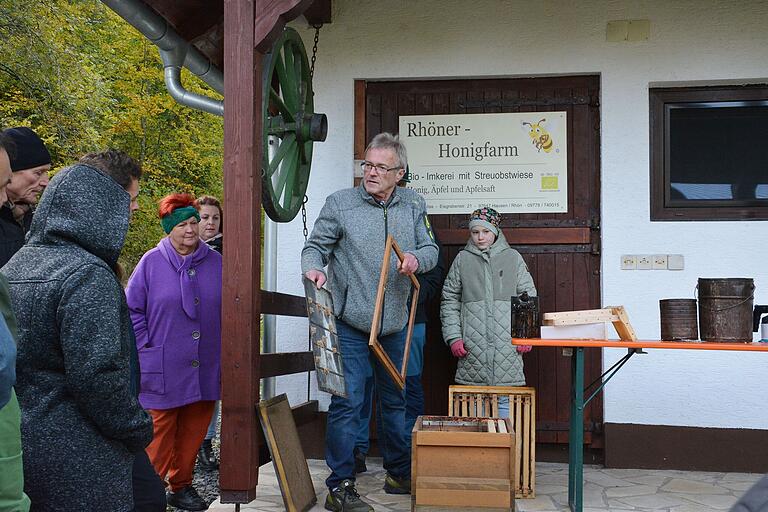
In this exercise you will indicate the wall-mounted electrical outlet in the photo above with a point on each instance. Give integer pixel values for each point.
(628, 262)
(659, 262)
(644, 262)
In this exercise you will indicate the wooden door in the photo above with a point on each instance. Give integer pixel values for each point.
(562, 250)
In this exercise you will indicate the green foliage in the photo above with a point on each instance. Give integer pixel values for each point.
(85, 80)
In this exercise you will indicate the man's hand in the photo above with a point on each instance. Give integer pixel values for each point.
(409, 265)
(317, 277)
(458, 350)
(524, 349)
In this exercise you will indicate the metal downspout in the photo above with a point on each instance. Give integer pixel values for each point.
(270, 285)
(175, 52)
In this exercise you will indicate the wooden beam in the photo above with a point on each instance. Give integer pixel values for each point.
(523, 236)
(359, 132)
(271, 20)
(286, 363)
(241, 300)
(319, 13)
(276, 303)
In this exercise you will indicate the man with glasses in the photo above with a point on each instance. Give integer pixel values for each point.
(348, 237)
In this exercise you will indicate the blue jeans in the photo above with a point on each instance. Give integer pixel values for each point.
(414, 393)
(343, 422)
(214, 422)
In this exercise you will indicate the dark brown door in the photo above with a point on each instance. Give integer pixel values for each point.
(562, 250)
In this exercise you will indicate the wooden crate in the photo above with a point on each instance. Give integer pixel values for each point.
(483, 402)
(463, 463)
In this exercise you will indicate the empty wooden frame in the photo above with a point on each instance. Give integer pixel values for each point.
(373, 342)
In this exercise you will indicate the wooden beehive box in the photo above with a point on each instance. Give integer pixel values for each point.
(483, 402)
(463, 463)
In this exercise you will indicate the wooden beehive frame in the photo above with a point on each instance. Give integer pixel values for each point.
(287, 454)
(483, 401)
(398, 376)
(617, 315)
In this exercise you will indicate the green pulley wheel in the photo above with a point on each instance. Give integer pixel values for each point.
(290, 127)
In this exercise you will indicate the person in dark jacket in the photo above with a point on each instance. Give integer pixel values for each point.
(148, 488)
(12, 495)
(30, 163)
(81, 424)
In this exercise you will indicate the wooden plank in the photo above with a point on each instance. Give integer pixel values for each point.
(360, 119)
(286, 363)
(672, 345)
(270, 22)
(276, 303)
(524, 236)
(241, 300)
(586, 316)
(461, 499)
(287, 454)
(319, 12)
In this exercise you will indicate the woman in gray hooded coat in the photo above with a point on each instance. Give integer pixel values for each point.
(80, 423)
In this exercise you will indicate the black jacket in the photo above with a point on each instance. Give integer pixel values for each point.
(11, 235)
(430, 284)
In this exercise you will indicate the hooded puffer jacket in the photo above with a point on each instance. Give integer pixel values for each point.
(80, 422)
(477, 307)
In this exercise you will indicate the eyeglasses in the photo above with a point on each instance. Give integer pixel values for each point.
(381, 169)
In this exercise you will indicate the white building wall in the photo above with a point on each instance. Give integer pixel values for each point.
(694, 42)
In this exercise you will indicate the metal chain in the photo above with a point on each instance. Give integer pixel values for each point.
(304, 217)
(314, 51)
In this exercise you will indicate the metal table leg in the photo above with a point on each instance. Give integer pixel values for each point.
(576, 433)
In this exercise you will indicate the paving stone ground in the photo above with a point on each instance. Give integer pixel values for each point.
(605, 490)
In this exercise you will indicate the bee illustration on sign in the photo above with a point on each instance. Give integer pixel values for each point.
(540, 137)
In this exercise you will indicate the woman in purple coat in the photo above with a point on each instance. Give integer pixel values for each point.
(174, 295)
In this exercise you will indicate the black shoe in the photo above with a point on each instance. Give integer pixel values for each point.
(205, 457)
(394, 485)
(360, 466)
(186, 499)
(344, 498)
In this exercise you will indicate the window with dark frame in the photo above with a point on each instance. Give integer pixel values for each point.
(709, 153)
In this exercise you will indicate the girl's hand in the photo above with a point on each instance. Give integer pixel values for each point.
(524, 349)
(457, 349)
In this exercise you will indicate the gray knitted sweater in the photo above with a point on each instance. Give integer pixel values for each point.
(80, 422)
(349, 237)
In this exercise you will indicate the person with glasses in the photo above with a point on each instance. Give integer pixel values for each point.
(349, 237)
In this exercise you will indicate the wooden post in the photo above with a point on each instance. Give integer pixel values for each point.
(241, 300)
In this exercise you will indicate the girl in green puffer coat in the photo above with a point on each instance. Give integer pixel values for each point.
(476, 307)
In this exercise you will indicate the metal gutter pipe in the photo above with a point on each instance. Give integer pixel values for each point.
(175, 52)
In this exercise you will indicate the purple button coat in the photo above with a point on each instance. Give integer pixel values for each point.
(175, 305)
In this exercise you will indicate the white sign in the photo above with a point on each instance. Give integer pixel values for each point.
(515, 163)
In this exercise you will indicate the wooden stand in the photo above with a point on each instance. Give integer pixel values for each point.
(483, 402)
(463, 463)
(617, 315)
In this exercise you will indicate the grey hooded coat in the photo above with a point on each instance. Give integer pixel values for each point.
(80, 424)
(477, 307)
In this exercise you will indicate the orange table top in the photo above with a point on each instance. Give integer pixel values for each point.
(684, 345)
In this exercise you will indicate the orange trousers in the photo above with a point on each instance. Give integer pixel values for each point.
(178, 435)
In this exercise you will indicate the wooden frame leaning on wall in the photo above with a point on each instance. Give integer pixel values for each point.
(398, 376)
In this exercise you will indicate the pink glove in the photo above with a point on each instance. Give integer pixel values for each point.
(457, 349)
(524, 349)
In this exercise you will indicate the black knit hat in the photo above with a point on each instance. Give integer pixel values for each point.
(29, 150)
